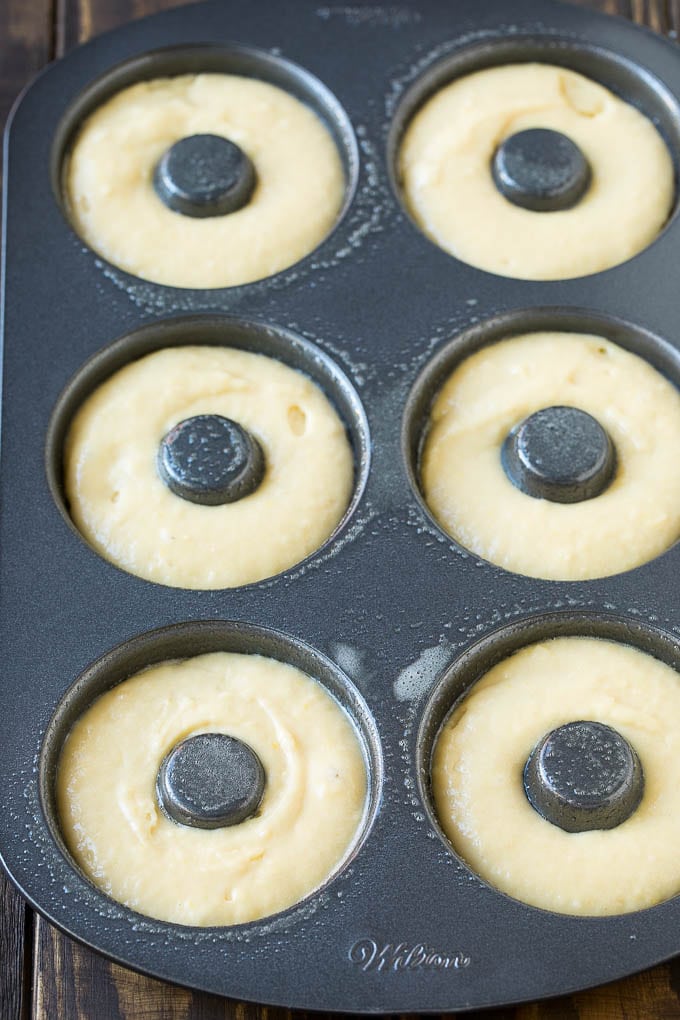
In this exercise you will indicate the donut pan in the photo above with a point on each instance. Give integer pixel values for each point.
(392, 615)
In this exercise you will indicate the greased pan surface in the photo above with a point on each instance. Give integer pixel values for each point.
(405, 926)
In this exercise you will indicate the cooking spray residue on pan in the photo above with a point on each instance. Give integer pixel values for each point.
(417, 678)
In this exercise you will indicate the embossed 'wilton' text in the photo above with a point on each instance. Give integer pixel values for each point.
(368, 955)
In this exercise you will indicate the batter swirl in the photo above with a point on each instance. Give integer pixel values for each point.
(114, 208)
(129, 515)
(635, 519)
(446, 172)
(479, 759)
(313, 801)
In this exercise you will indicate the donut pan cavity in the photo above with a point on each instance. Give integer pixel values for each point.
(390, 612)
(205, 58)
(255, 337)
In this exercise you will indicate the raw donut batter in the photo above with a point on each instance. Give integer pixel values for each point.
(445, 167)
(125, 511)
(635, 519)
(479, 795)
(114, 208)
(313, 801)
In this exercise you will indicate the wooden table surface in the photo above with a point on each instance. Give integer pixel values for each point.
(43, 974)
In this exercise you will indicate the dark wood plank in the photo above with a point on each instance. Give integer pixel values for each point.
(655, 14)
(26, 45)
(673, 14)
(75, 984)
(621, 7)
(70, 982)
(79, 20)
(15, 931)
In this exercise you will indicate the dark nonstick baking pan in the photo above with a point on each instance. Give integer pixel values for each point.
(392, 615)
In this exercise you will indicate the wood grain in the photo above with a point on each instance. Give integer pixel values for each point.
(68, 981)
(72, 983)
(655, 14)
(26, 45)
(15, 928)
(78, 20)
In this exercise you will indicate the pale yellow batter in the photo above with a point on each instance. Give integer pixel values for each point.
(445, 167)
(113, 206)
(122, 507)
(635, 519)
(480, 756)
(313, 802)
